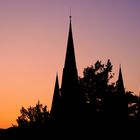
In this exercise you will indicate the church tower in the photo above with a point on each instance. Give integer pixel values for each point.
(117, 107)
(69, 88)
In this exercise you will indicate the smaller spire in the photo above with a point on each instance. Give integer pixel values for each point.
(120, 84)
(57, 76)
(55, 101)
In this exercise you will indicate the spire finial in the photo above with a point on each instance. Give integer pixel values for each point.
(70, 14)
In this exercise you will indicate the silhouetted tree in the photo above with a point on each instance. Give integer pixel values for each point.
(33, 117)
(95, 85)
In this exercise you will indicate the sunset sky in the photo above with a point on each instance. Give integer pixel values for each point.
(33, 39)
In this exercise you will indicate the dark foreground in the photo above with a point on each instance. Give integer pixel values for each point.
(105, 130)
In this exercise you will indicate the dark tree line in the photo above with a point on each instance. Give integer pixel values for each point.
(100, 100)
(103, 104)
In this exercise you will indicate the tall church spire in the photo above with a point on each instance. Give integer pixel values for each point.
(69, 88)
(70, 54)
(70, 75)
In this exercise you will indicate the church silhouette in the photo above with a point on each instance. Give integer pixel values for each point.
(66, 100)
(68, 106)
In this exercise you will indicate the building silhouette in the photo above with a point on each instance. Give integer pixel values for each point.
(122, 105)
(67, 103)
(68, 96)
(117, 106)
(69, 89)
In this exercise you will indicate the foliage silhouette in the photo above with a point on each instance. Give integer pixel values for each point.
(95, 86)
(33, 117)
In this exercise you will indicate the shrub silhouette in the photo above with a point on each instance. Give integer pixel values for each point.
(33, 117)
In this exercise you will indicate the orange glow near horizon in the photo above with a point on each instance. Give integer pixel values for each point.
(33, 39)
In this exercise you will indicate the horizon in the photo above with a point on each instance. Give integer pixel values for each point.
(34, 39)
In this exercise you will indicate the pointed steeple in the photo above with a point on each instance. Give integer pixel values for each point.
(70, 53)
(69, 88)
(121, 104)
(56, 101)
(120, 83)
(70, 74)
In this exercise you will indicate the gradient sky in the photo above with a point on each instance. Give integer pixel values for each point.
(33, 38)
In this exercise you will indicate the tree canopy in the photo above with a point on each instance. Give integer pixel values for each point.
(31, 117)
